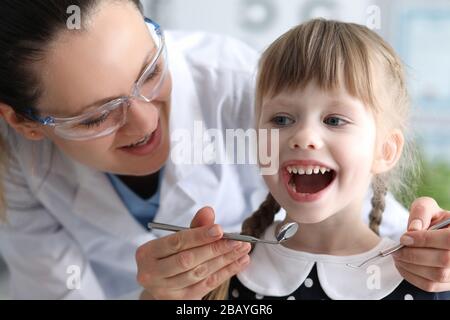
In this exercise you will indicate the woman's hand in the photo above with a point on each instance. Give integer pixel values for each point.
(426, 261)
(191, 263)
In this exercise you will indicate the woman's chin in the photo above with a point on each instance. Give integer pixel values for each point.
(145, 169)
(143, 166)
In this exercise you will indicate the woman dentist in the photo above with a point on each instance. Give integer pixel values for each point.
(87, 115)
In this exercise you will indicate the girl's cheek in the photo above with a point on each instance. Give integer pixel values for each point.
(269, 143)
(356, 158)
(272, 182)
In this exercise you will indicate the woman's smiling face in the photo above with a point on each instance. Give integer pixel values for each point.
(98, 64)
(326, 151)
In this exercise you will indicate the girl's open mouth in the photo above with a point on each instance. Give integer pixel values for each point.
(306, 183)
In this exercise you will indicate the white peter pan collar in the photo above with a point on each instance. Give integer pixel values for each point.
(278, 271)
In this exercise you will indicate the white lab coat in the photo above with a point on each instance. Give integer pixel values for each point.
(64, 217)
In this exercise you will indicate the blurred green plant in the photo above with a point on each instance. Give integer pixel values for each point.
(435, 182)
(432, 179)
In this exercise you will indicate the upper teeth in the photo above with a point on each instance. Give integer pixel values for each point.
(308, 170)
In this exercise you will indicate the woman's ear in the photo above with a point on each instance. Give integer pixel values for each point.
(389, 152)
(28, 129)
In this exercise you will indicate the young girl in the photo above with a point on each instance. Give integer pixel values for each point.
(337, 94)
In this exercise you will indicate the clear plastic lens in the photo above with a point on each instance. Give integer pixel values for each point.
(111, 117)
(97, 125)
(153, 80)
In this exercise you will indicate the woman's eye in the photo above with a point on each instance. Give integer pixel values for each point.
(335, 121)
(96, 122)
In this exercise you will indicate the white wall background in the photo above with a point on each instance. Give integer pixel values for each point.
(256, 22)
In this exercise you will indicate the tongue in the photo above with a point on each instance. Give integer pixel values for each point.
(312, 183)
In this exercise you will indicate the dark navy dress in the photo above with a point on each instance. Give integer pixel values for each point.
(278, 272)
(311, 290)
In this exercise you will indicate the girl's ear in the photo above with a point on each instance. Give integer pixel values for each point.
(28, 129)
(389, 152)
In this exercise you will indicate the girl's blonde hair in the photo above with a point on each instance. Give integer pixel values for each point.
(336, 54)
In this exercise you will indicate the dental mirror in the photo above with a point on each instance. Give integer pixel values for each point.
(287, 231)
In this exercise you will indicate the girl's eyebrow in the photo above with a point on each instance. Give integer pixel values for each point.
(336, 103)
(279, 102)
(342, 103)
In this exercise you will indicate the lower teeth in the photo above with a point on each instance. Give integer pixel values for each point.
(294, 187)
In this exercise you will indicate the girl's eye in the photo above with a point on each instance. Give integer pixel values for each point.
(335, 121)
(282, 120)
(96, 122)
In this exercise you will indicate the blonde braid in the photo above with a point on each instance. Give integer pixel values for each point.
(253, 226)
(262, 218)
(378, 204)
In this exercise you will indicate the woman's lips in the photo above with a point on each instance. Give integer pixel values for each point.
(152, 144)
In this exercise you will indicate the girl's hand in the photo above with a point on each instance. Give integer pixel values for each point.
(426, 261)
(191, 263)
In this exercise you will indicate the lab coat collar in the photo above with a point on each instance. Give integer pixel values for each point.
(278, 271)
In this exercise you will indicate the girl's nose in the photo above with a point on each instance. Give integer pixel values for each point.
(142, 117)
(306, 139)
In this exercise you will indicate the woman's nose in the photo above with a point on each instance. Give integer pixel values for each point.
(142, 117)
(306, 139)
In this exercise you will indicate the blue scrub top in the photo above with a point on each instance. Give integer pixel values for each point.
(144, 211)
